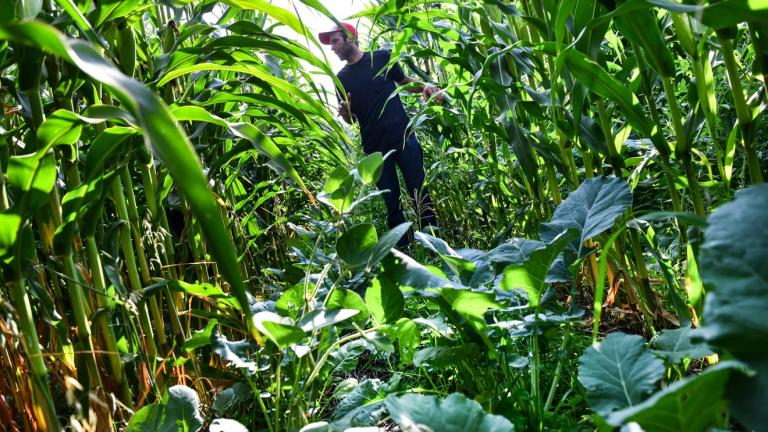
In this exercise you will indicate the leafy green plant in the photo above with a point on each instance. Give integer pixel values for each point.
(180, 206)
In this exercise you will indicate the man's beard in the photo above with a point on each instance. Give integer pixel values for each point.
(346, 52)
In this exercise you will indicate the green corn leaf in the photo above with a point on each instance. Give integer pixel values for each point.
(104, 147)
(32, 177)
(591, 75)
(276, 12)
(161, 134)
(29, 8)
(259, 141)
(641, 28)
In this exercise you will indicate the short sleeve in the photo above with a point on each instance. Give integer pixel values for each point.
(395, 73)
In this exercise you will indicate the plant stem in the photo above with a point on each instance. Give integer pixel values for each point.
(558, 370)
(743, 113)
(130, 261)
(45, 409)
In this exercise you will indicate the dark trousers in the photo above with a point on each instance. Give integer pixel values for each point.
(410, 159)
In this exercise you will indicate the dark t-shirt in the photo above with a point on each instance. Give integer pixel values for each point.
(382, 120)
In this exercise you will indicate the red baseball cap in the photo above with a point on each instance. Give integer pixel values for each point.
(325, 37)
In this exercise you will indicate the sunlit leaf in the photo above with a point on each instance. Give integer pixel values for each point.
(452, 414)
(179, 411)
(619, 372)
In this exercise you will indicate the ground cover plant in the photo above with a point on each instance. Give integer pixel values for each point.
(190, 239)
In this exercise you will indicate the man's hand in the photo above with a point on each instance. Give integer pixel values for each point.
(429, 91)
(344, 110)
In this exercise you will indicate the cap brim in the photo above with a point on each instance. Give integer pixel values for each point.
(325, 37)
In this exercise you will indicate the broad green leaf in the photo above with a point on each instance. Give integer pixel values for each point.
(357, 244)
(463, 268)
(321, 426)
(408, 337)
(407, 272)
(290, 301)
(690, 405)
(591, 209)
(384, 300)
(201, 337)
(280, 330)
(235, 353)
(179, 411)
(320, 318)
(370, 168)
(456, 413)
(675, 345)
(283, 335)
(367, 392)
(342, 298)
(472, 305)
(344, 359)
(531, 275)
(344, 388)
(732, 261)
(338, 192)
(387, 242)
(618, 372)
(747, 395)
(230, 398)
(514, 251)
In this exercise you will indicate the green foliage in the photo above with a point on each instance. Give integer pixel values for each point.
(619, 372)
(179, 412)
(160, 163)
(676, 345)
(692, 404)
(454, 413)
(733, 268)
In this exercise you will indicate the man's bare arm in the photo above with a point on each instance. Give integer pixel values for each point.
(426, 90)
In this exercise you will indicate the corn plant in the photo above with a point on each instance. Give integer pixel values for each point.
(187, 227)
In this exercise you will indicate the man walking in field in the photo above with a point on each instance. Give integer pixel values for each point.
(383, 121)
